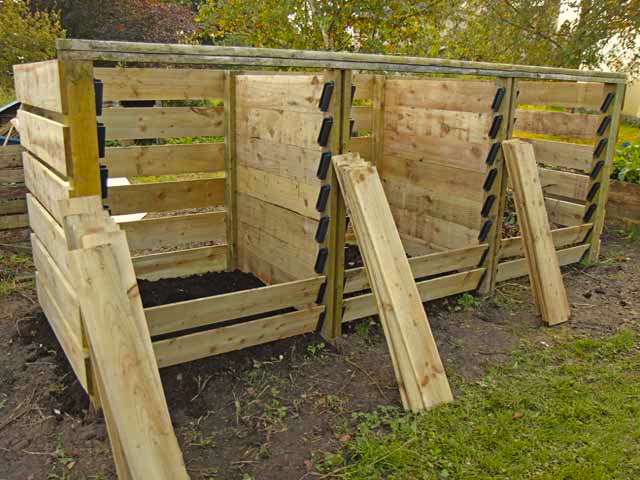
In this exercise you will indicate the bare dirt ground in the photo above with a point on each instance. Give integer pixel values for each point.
(271, 412)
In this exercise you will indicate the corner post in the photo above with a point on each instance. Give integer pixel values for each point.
(609, 134)
(377, 123)
(79, 94)
(498, 188)
(340, 136)
(230, 167)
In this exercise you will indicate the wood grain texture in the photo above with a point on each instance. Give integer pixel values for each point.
(46, 139)
(45, 185)
(562, 237)
(561, 94)
(180, 263)
(578, 125)
(292, 92)
(564, 155)
(40, 85)
(564, 184)
(511, 269)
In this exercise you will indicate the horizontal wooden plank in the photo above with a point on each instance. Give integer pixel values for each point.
(70, 343)
(575, 125)
(561, 154)
(362, 117)
(561, 94)
(11, 175)
(226, 339)
(11, 156)
(292, 92)
(623, 201)
(564, 184)
(46, 139)
(165, 196)
(12, 206)
(518, 268)
(45, 185)
(174, 231)
(179, 316)
(160, 83)
(362, 146)
(49, 232)
(562, 237)
(180, 263)
(279, 190)
(10, 222)
(150, 160)
(432, 264)
(365, 305)
(162, 122)
(40, 85)
(564, 213)
(12, 191)
(440, 94)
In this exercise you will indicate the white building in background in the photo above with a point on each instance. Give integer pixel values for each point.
(632, 99)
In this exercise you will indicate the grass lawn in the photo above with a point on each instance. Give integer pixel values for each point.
(571, 412)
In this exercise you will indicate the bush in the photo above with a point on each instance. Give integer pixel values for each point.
(626, 165)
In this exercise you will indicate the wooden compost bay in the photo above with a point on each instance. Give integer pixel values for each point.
(256, 191)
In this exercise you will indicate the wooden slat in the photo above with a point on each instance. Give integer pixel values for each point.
(364, 86)
(437, 94)
(564, 213)
(162, 122)
(220, 308)
(10, 222)
(564, 155)
(173, 231)
(66, 337)
(564, 184)
(11, 175)
(512, 247)
(365, 306)
(231, 169)
(432, 264)
(165, 196)
(151, 160)
(11, 156)
(518, 268)
(362, 116)
(39, 85)
(624, 201)
(160, 83)
(49, 232)
(11, 206)
(181, 263)
(576, 125)
(292, 92)
(45, 185)
(46, 139)
(561, 94)
(227, 339)
(362, 146)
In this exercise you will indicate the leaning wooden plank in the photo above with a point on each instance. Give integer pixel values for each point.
(160, 83)
(126, 367)
(49, 232)
(174, 231)
(561, 94)
(432, 264)
(561, 154)
(513, 247)
(365, 305)
(211, 310)
(518, 268)
(69, 342)
(40, 85)
(46, 139)
(399, 305)
(227, 339)
(181, 263)
(45, 185)
(578, 125)
(165, 196)
(147, 160)
(565, 184)
(162, 122)
(544, 269)
(10, 222)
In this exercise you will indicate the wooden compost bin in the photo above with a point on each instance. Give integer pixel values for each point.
(249, 195)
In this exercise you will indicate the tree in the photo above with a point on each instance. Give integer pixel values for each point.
(24, 37)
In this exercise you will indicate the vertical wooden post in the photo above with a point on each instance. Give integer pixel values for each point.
(600, 199)
(341, 112)
(499, 188)
(80, 116)
(377, 122)
(230, 167)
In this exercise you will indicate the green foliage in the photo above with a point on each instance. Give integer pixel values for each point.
(546, 415)
(467, 302)
(626, 165)
(24, 37)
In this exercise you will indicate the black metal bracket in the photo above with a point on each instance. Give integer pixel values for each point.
(352, 123)
(493, 153)
(321, 231)
(321, 260)
(597, 169)
(593, 190)
(484, 231)
(323, 198)
(102, 139)
(353, 93)
(325, 131)
(589, 213)
(321, 290)
(495, 126)
(491, 177)
(607, 102)
(104, 176)
(325, 97)
(604, 124)
(488, 205)
(497, 99)
(483, 257)
(600, 147)
(323, 166)
(98, 88)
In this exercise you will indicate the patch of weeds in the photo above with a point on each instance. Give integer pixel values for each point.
(315, 350)
(195, 438)
(12, 267)
(466, 302)
(62, 463)
(546, 415)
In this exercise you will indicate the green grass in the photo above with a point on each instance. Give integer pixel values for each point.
(13, 265)
(562, 413)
